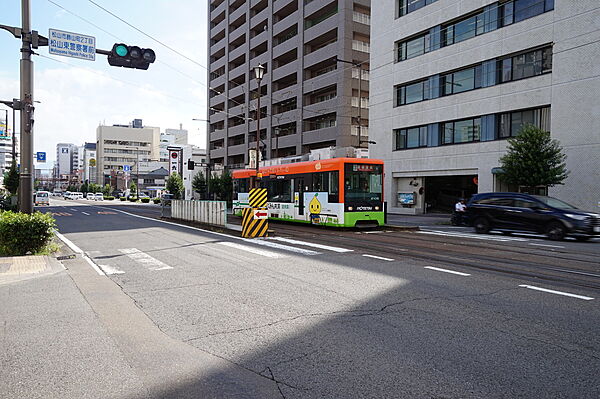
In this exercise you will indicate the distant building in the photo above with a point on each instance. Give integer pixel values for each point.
(171, 137)
(121, 151)
(64, 159)
(90, 163)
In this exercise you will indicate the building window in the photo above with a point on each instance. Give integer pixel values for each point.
(525, 65)
(464, 131)
(512, 122)
(408, 6)
(410, 138)
(482, 21)
(412, 93)
(459, 81)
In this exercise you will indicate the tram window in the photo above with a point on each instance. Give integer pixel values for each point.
(363, 182)
(334, 189)
(279, 191)
(241, 186)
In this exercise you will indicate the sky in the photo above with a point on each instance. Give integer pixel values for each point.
(75, 96)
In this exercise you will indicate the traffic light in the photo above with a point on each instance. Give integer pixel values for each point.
(131, 56)
(191, 164)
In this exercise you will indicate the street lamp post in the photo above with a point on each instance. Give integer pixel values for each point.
(359, 65)
(259, 72)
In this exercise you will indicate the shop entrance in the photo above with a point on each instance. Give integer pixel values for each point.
(442, 192)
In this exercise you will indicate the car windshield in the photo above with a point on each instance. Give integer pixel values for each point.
(554, 202)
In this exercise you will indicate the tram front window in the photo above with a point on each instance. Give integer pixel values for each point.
(363, 182)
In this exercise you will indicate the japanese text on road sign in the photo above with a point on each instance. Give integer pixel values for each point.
(69, 44)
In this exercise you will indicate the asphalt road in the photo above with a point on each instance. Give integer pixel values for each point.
(439, 313)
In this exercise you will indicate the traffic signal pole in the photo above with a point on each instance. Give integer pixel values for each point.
(26, 70)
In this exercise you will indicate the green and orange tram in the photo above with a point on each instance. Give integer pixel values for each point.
(337, 192)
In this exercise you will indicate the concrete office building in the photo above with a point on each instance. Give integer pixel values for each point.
(90, 163)
(121, 146)
(307, 99)
(64, 159)
(452, 79)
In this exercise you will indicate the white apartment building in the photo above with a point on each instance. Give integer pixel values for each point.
(64, 159)
(122, 151)
(451, 80)
(171, 137)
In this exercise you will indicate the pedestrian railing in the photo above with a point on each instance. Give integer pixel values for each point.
(208, 212)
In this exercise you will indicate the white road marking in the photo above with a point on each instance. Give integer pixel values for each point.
(85, 213)
(78, 250)
(373, 232)
(247, 248)
(446, 271)
(378, 257)
(111, 270)
(546, 245)
(310, 244)
(73, 210)
(143, 258)
(474, 236)
(531, 287)
(282, 247)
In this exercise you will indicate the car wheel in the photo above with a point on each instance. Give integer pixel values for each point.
(482, 225)
(582, 238)
(556, 231)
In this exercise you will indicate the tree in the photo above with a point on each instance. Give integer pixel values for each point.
(175, 185)
(85, 187)
(94, 188)
(11, 179)
(533, 159)
(222, 186)
(133, 189)
(199, 184)
(106, 190)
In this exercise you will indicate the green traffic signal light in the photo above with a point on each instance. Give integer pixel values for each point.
(121, 50)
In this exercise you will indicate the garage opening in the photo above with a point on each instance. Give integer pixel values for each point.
(442, 192)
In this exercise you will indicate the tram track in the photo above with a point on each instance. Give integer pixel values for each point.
(513, 260)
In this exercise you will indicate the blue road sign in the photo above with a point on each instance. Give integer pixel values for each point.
(126, 168)
(40, 156)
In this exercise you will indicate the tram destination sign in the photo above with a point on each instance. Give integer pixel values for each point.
(69, 44)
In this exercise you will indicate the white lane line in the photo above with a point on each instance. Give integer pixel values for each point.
(73, 210)
(373, 232)
(143, 258)
(85, 213)
(247, 248)
(531, 287)
(310, 244)
(282, 247)
(78, 250)
(378, 257)
(437, 269)
(546, 245)
(473, 236)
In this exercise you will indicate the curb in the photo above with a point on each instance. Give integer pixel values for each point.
(401, 228)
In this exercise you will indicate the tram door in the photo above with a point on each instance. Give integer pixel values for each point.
(300, 190)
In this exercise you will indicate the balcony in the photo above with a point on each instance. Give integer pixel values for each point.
(279, 4)
(284, 94)
(316, 5)
(285, 70)
(237, 71)
(238, 51)
(322, 107)
(327, 25)
(327, 79)
(321, 54)
(259, 39)
(237, 109)
(286, 117)
(286, 46)
(218, 99)
(259, 18)
(286, 22)
(217, 135)
(237, 130)
(241, 10)
(218, 28)
(237, 149)
(361, 18)
(217, 153)
(218, 81)
(319, 135)
(237, 90)
(218, 9)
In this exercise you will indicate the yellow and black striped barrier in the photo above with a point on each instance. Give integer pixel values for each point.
(255, 222)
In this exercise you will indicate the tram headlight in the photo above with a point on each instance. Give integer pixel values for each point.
(376, 208)
(350, 208)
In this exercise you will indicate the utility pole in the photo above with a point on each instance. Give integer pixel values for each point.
(259, 72)
(25, 173)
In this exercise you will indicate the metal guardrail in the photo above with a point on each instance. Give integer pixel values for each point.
(208, 212)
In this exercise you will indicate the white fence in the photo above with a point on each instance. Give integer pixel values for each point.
(209, 212)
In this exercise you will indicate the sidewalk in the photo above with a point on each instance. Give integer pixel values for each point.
(430, 219)
(18, 268)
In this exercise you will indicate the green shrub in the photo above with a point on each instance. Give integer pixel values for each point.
(21, 233)
(109, 198)
(156, 200)
(123, 199)
(133, 199)
(145, 200)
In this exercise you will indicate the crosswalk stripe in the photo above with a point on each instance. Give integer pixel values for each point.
(310, 244)
(247, 248)
(144, 259)
(283, 247)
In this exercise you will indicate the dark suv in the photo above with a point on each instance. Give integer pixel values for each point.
(531, 213)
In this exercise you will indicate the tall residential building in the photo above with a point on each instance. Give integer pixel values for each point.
(122, 150)
(308, 99)
(451, 80)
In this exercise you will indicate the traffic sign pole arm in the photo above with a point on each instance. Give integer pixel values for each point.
(103, 52)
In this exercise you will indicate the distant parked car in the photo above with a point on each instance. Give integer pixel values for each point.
(99, 197)
(80, 195)
(90, 196)
(509, 212)
(66, 195)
